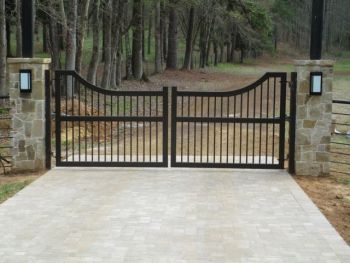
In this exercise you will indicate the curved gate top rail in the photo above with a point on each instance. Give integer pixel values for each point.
(98, 127)
(244, 128)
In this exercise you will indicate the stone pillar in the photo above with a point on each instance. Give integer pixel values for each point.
(28, 114)
(313, 120)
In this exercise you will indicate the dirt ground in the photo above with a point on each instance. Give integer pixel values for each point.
(332, 197)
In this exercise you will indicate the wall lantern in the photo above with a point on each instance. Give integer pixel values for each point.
(25, 81)
(316, 79)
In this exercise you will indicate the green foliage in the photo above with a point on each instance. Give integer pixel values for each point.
(10, 189)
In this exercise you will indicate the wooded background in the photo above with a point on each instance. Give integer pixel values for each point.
(110, 40)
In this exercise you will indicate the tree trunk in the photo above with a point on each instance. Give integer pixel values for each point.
(3, 49)
(45, 34)
(233, 40)
(54, 44)
(95, 57)
(8, 38)
(81, 30)
(137, 63)
(117, 22)
(216, 53)
(228, 51)
(18, 28)
(107, 29)
(163, 28)
(158, 40)
(172, 39)
(71, 45)
(221, 60)
(150, 26)
(189, 41)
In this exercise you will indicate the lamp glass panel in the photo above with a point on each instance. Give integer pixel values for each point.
(316, 84)
(25, 81)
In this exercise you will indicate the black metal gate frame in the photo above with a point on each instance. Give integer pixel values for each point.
(59, 119)
(281, 120)
(175, 119)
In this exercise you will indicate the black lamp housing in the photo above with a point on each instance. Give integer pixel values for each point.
(25, 81)
(316, 83)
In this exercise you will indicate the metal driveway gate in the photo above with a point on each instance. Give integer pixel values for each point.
(243, 128)
(235, 129)
(98, 127)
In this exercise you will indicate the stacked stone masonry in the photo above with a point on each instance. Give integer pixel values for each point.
(28, 114)
(314, 120)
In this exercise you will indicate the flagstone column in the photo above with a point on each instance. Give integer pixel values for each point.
(313, 119)
(28, 114)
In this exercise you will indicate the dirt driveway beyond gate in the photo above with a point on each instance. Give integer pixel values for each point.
(166, 215)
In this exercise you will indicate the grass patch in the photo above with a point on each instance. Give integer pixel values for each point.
(342, 65)
(10, 189)
(345, 181)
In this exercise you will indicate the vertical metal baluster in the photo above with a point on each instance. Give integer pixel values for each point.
(157, 129)
(137, 129)
(118, 137)
(105, 114)
(254, 102)
(201, 129)
(274, 116)
(86, 146)
(150, 129)
(111, 129)
(66, 115)
(131, 135)
(247, 139)
(79, 146)
(234, 129)
(144, 129)
(228, 129)
(214, 140)
(261, 103)
(92, 126)
(188, 129)
(240, 132)
(73, 88)
(124, 128)
(195, 130)
(182, 128)
(267, 116)
(222, 112)
(208, 130)
(98, 126)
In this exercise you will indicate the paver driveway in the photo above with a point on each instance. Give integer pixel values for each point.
(166, 215)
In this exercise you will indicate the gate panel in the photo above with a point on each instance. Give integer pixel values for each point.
(98, 127)
(241, 129)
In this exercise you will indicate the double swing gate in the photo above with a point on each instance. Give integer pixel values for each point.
(236, 129)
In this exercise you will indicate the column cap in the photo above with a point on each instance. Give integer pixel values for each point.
(29, 60)
(322, 63)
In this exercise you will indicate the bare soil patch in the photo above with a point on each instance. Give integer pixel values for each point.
(332, 197)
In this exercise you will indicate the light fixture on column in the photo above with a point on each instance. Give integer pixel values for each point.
(25, 81)
(316, 79)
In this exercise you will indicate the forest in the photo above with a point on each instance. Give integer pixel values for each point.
(108, 41)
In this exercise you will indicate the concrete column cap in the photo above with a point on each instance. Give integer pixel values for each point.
(29, 60)
(321, 63)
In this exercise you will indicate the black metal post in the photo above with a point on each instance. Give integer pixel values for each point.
(27, 28)
(292, 123)
(48, 118)
(316, 29)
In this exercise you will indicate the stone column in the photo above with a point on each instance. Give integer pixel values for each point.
(28, 114)
(313, 120)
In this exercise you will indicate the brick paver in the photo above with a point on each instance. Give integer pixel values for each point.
(166, 215)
